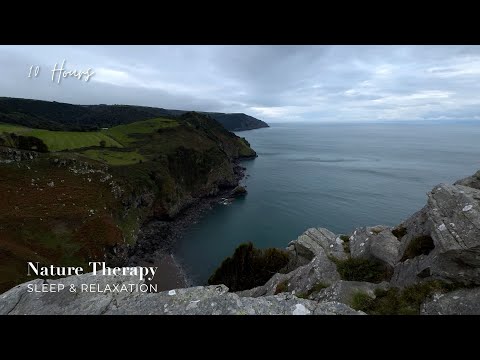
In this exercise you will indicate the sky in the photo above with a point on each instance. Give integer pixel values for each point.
(273, 83)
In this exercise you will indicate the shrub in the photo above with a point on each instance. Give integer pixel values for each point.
(281, 287)
(31, 143)
(249, 267)
(362, 270)
(395, 301)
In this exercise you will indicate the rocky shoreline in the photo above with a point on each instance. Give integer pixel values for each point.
(157, 238)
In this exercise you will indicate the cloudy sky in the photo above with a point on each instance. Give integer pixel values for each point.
(273, 83)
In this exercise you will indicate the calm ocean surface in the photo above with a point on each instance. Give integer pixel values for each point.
(337, 176)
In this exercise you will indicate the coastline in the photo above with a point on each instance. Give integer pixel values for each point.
(157, 238)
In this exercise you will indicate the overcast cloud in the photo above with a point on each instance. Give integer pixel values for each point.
(273, 83)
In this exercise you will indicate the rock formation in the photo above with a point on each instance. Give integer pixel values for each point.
(210, 300)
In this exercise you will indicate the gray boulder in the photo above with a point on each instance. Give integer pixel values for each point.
(443, 239)
(375, 243)
(210, 300)
(412, 271)
(459, 302)
(320, 271)
(313, 242)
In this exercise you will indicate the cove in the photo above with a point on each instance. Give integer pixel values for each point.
(337, 176)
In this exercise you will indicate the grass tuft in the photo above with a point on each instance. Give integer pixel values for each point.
(281, 287)
(395, 301)
(315, 289)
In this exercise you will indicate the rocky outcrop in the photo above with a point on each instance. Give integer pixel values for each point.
(239, 191)
(471, 181)
(459, 302)
(320, 271)
(210, 300)
(10, 155)
(442, 241)
(312, 242)
(311, 265)
(375, 243)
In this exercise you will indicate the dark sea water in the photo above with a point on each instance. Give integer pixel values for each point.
(337, 176)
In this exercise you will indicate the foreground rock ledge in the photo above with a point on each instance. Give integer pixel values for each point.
(209, 300)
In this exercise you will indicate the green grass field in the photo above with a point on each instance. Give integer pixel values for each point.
(63, 140)
(113, 157)
(12, 128)
(118, 136)
(67, 140)
(122, 133)
(122, 136)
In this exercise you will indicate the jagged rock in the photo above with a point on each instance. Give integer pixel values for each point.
(335, 308)
(443, 239)
(8, 155)
(210, 300)
(412, 271)
(312, 242)
(459, 302)
(343, 291)
(239, 191)
(471, 181)
(375, 243)
(321, 270)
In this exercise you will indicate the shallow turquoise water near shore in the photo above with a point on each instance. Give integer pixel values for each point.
(337, 176)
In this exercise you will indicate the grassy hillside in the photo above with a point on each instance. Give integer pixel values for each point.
(127, 134)
(59, 116)
(87, 202)
(62, 140)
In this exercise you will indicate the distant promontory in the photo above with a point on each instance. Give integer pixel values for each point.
(68, 117)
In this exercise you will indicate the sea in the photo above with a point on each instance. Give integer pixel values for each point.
(338, 176)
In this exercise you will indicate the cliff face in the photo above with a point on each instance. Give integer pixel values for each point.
(89, 202)
(429, 264)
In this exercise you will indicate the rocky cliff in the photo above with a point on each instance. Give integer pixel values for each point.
(429, 264)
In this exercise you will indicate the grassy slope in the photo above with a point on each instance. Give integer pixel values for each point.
(63, 140)
(115, 158)
(125, 134)
(79, 218)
